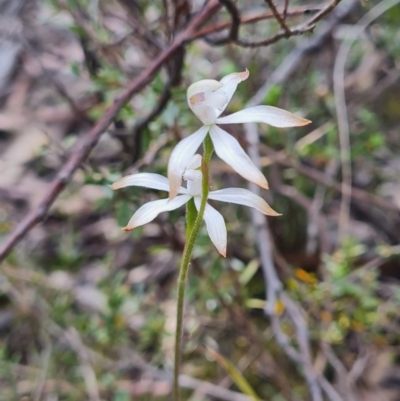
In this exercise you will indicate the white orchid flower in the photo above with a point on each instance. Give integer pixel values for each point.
(214, 221)
(208, 99)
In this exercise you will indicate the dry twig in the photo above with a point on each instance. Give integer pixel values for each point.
(287, 32)
(233, 34)
(293, 12)
(307, 26)
(278, 17)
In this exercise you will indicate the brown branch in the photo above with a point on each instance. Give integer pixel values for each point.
(308, 26)
(278, 17)
(285, 9)
(86, 144)
(275, 38)
(306, 47)
(323, 12)
(234, 26)
(255, 18)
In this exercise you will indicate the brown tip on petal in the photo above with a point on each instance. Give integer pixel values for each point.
(114, 186)
(273, 213)
(243, 75)
(263, 184)
(127, 228)
(305, 121)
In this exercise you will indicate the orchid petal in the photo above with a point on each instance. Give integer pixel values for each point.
(149, 180)
(149, 211)
(242, 196)
(181, 156)
(215, 226)
(230, 83)
(265, 114)
(229, 150)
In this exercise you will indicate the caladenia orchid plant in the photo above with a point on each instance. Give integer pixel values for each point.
(207, 99)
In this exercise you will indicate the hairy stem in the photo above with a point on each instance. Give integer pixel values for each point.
(184, 268)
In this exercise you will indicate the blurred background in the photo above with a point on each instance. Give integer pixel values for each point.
(304, 307)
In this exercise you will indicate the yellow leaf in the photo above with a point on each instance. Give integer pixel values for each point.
(306, 277)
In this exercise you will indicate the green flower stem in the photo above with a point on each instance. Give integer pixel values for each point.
(191, 214)
(192, 231)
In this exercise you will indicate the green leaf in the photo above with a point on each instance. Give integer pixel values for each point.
(249, 272)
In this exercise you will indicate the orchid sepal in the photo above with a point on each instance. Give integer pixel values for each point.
(150, 210)
(148, 180)
(229, 150)
(241, 196)
(216, 227)
(270, 115)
